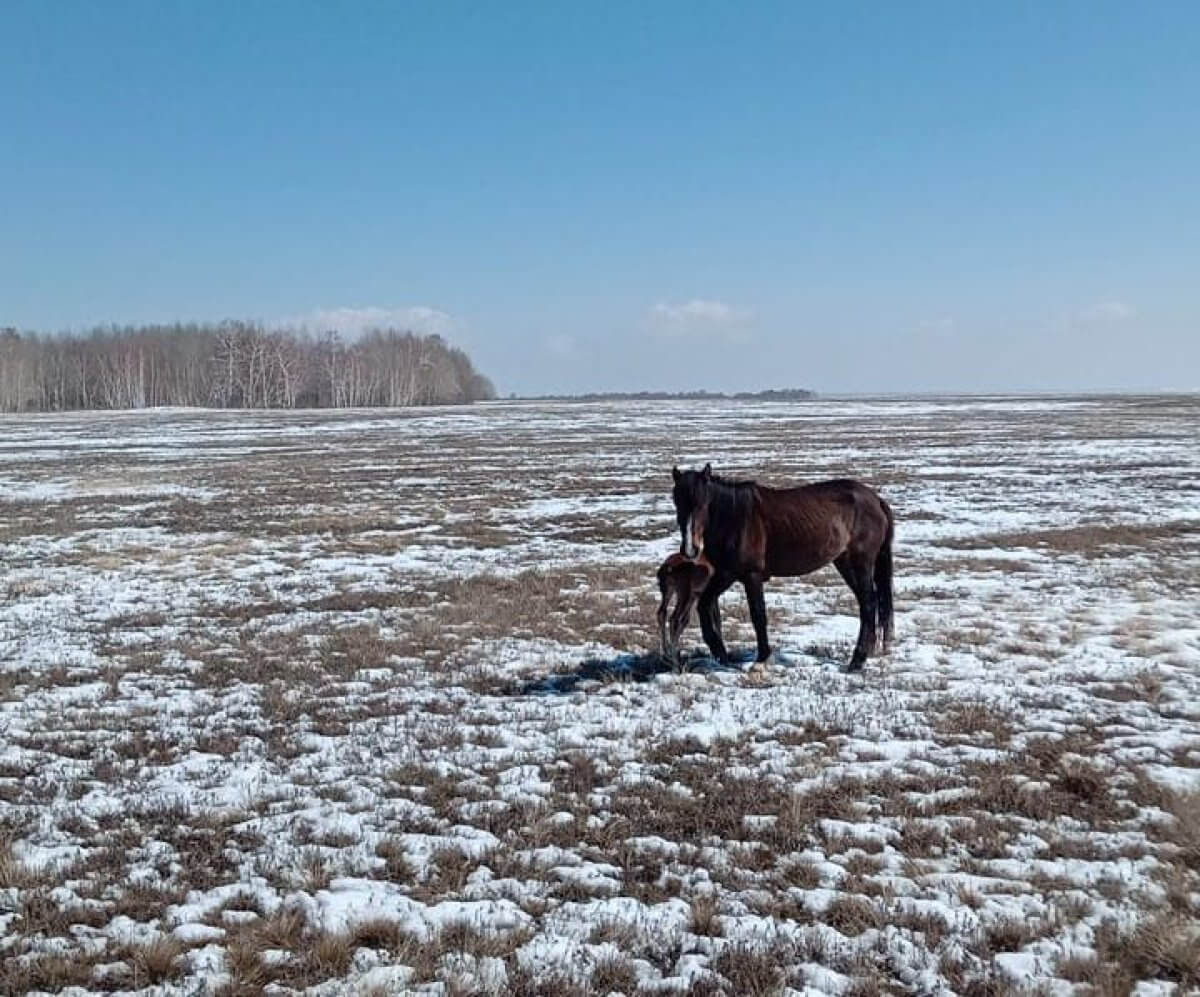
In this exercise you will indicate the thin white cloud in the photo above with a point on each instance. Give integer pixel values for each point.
(353, 322)
(697, 315)
(1108, 311)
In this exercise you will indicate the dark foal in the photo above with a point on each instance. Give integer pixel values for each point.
(750, 533)
(683, 579)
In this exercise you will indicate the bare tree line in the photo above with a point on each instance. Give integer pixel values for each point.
(231, 365)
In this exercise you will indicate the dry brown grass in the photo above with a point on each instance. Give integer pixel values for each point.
(314, 955)
(1010, 934)
(145, 902)
(396, 866)
(45, 971)
(971, 720)
(705, 915)
(40, 913)
(16, 875)
(564, 604)
(155, 962)
(526, 982)
(1087, 540)
(613, 973)
(754, 971)
(1165, 946)
(421, 745)
(1050, 777)
(852, 914)
(1182, 830)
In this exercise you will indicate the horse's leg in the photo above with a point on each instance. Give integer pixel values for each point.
(883, 584)
(710, 617)
(758, 615)
(859, 573)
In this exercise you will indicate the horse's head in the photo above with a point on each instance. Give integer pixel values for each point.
(691, 494)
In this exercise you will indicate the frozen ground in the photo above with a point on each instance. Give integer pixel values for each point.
(360, 703)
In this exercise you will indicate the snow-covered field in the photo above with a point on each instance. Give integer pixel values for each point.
(362, 703)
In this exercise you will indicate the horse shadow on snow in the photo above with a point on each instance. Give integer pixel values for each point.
(630, 667)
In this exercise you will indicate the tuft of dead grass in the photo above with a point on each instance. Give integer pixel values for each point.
(751, 970)
(1088, 540)
(613, 973)
(705, 917)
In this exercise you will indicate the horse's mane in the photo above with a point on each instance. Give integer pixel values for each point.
(732, 482)
(730, 504)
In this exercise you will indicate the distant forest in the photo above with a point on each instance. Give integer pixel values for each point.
(770, 395)
(231, 365)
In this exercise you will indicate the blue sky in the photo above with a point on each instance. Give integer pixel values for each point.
(849, 197)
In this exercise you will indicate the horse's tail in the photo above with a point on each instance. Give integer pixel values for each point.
(883, 579)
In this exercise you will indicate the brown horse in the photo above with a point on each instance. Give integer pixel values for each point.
(749, 533)
(684, 579)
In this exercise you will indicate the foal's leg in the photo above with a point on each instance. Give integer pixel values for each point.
(710, 617)
(688, 596)
(665, 643)
(859, 573)
(758, 616)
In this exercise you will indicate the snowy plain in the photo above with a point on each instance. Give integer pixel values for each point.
(366, 703)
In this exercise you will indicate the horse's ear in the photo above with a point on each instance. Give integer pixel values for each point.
(707, 472)
(675, 472)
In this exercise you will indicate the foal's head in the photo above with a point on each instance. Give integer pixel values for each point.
(691, 494)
